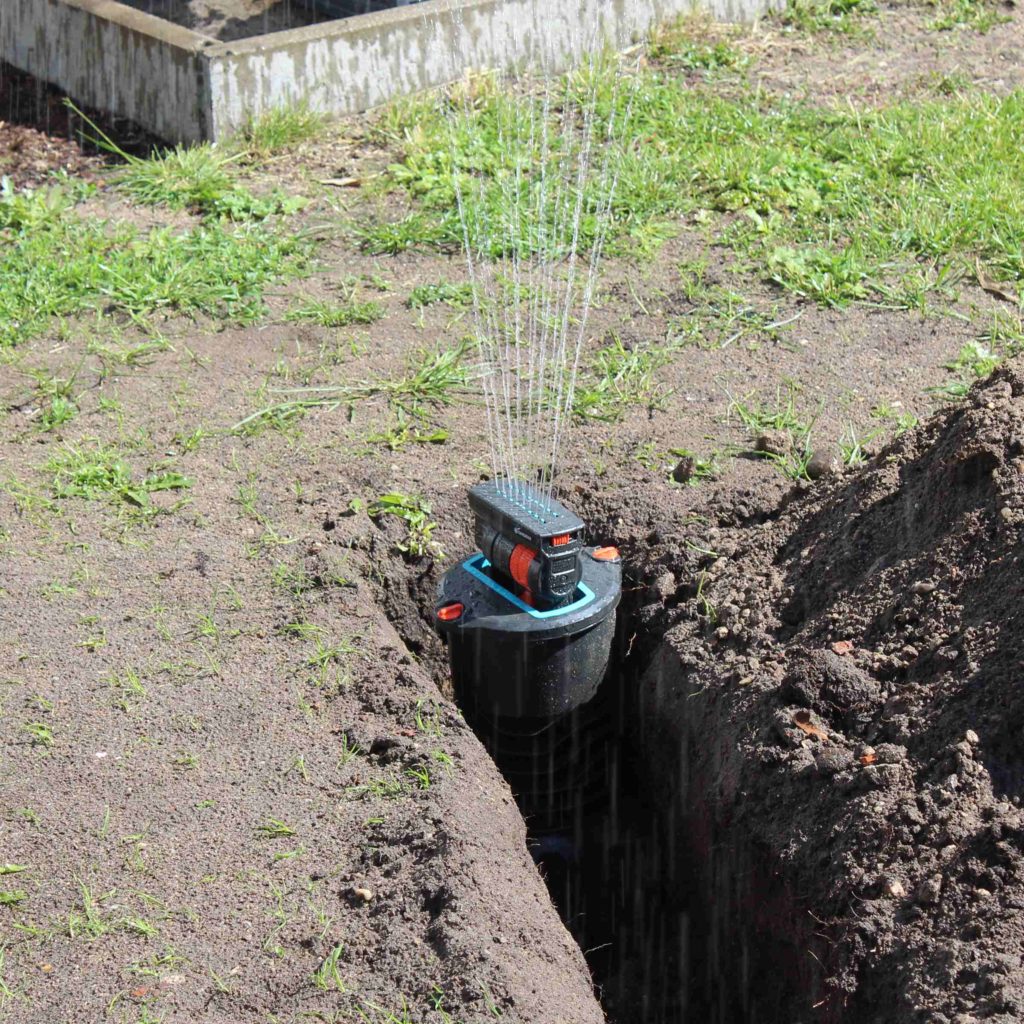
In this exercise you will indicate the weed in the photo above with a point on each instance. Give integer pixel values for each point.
(101, 474)
(825, 15)
(415, 513)
(348, 312)
(618, 379)
(460, 296)
(57, 264)
(272, 828)
(831, 278)
(282, 128)
(434, 379)
(781, 415)
(39, 733)
(980, 15)
(327, 976)
(12, 869)
(699, 469)
(129, 688)
(407, 431)
(12, 897)
(854, 448)
(682, 45)
(350, 750)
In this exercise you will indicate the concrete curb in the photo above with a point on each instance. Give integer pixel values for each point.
(186, 87)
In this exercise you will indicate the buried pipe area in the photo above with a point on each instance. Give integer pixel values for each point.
(680, 919)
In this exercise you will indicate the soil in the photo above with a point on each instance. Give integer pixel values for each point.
(239, 19)
(208, 674)
(848, 713)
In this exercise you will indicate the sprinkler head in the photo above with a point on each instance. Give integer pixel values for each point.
(529, 619)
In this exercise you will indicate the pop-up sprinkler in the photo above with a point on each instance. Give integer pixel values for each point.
(529, 619)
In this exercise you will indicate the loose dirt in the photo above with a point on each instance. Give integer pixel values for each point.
(847, 711)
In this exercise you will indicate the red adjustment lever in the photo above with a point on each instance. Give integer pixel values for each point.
(451, 612)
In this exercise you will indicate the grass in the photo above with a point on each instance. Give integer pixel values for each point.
(327, 977)
(459, 296)
(805, 192)
(979, 15)
(825, 15)
(273, 828)
(281, 128)
(791, 450)
(346, 313)
(617, 379)
(101, 474)
(433, 379)
(57, 264)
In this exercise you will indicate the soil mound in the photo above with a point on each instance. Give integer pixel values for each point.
(854, 728)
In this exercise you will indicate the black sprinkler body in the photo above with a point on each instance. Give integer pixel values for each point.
(530, 618)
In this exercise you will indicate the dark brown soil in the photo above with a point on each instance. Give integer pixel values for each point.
(844, 698)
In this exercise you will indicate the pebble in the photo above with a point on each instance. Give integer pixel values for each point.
(818, 465)
(894, 887)
(364, 894)
(929, 890)
(923, 587)
(972, 737)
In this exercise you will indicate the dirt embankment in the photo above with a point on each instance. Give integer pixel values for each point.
(839, 693)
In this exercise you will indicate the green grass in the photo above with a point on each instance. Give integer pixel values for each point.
(617, 379)
(432, 379)
(460, 296)
(281, 129)
(327, 977)
(979, 15)
(825, 15)
(56, 264)
(805, 194)
(100, 473)
(347, 313)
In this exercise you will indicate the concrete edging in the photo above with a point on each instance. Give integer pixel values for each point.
(185, 87)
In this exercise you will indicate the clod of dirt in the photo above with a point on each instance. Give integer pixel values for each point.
(885, 867)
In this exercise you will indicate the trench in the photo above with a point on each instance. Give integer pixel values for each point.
(678, 917)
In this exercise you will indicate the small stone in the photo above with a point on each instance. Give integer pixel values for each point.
(364, 894)
(909, 653)
(923, 587)
(772, 442)
(1007, 513)
(722, 632)
(929, 890)
(894, 887)
(972, 737)
(981, 894)
(684, 470)
(818, 465)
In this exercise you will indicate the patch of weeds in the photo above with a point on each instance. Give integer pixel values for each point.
(406, 430)
(825, 15)
(459, 296)
(327, 977)
(282, 128)
(433, 378)
(782, 436)
(974, 361)
(415, 231)
(415, 513)
(693, 469)
(57, 264)
(12, 897)
(980, 15)
(682, 45)
(346, 313)
(101, 474)
(195, 178)
(828, 277)
(619, 378)
(898, 421)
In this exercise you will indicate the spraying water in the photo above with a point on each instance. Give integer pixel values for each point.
(534, 175)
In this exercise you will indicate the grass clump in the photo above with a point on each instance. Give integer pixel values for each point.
(101, 474)
(979, 15)
(617, 379)
(825, 15)
(347, 313)
(460, 296)
(56, 264)
(282, 128)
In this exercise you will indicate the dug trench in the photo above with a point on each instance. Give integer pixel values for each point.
(799, 787)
